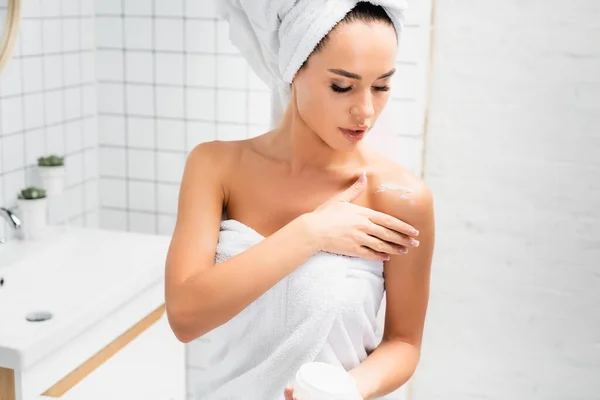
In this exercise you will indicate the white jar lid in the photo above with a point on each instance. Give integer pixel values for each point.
(321, 380)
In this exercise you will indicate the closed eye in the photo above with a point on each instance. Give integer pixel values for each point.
(382, 88)
(340, 89)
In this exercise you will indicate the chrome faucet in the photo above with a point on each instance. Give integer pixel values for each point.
(11, 218)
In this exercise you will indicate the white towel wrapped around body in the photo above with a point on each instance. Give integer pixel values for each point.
(277, 36)
(326, 310)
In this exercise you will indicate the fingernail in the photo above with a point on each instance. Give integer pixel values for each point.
(414, 243)
(414, 232)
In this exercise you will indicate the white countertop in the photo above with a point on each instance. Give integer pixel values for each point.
(79, 275)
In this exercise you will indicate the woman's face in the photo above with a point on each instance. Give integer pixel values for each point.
(346, 85)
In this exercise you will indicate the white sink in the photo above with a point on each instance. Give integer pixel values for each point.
(77, 275)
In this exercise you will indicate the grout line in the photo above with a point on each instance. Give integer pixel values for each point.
(44, 91)
(83, 127)
(155, 113)
(125, 108)
(147, 149)
(141, 116)
(185, 92)
(63, 92)
(95, 126)
(56, 53)
(161, 51)
(83, 181)
(52, 125)
(23, 118)
(154, 16)
(56, 17)
(184, 74)
(24, 168)
(156, 213)
(185, 86)
(139, 180)
(44, 87)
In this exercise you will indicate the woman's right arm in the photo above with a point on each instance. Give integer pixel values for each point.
(199, 296)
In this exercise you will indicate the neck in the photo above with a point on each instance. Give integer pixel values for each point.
(302, 149)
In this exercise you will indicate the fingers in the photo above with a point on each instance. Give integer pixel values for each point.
(370, 254)
(355, 190)
(390, 236)
(392, 223)
(383, 247)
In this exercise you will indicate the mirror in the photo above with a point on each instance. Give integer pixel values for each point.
(9, 27)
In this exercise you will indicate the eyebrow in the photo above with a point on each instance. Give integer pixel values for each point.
(352, 75)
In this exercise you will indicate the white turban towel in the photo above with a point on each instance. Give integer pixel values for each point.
(277, 36)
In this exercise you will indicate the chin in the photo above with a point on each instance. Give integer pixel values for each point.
(342, 144)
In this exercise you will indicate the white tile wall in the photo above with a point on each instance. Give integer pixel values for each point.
(159, 94)
(512, 159)
(47, 105)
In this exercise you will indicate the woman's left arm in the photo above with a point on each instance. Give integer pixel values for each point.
(407, 279)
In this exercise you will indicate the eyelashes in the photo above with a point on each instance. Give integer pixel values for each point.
(339, 89)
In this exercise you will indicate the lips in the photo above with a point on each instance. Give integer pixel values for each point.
(354, 134)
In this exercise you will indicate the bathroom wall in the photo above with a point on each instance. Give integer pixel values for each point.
(48, 105)
(169, 78)
(125, 89)
(512, 159)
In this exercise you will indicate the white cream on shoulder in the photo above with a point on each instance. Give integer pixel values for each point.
(384, 187)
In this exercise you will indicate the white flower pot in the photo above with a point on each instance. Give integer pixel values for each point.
(33, 217)
(53, 179)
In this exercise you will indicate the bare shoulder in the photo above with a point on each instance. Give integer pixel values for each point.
(217, 162)
(397, 191)
(217, 158)
(216, 150)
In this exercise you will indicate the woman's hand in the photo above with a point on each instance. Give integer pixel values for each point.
(345, 228)
(289, 393)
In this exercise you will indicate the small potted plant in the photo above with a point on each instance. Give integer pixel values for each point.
(32, 204)
(52, 173)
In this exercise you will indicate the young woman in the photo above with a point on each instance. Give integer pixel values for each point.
(310, 186)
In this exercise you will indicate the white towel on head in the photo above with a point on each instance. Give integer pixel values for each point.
(326, 310)
(277, 36)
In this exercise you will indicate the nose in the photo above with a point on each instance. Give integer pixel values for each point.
(363, 107)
